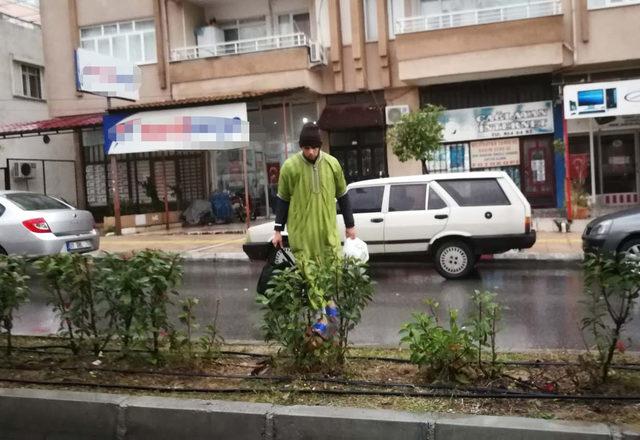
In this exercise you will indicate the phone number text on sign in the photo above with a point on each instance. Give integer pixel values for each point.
(495, 153)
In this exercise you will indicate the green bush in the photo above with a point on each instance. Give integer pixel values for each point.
(296, 298)
(14, 291)
(117, 298)
(612, 288)
(443, 354)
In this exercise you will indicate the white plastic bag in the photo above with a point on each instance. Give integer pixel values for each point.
(356, 248)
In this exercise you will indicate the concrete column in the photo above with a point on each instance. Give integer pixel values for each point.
(357, 43)
(336, 45)
(162, 40)
(383, 42)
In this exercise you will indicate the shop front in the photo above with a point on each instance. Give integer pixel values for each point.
(603, 124)
(274, 119)
(515, 138)
(356, 127)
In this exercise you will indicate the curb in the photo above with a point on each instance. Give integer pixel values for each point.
(33, 413)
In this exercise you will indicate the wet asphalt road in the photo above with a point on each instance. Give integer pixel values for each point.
(543, 301)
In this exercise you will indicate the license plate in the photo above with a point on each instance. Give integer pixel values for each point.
(78, 245)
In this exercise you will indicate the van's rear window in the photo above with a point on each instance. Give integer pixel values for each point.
(475, 192)
(35, 202)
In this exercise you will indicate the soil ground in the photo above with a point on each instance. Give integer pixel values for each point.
(363, 382)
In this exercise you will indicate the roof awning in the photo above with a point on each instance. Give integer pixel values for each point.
(214, 127)
(50, 126)
(208, 100)
(351, 116)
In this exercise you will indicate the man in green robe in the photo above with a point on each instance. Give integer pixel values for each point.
(309, 184)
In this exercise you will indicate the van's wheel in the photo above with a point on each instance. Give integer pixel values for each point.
(454, 259)
(630, 250)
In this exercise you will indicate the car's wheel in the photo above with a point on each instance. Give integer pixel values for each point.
(454, 259)
(630, 250)
(2, 251)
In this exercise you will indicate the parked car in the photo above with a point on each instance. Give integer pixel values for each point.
(452, 218)
(617, 233)
(35, 224)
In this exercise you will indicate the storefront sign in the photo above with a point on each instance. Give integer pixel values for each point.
(615, 98)
(497, 122)
(495, 153)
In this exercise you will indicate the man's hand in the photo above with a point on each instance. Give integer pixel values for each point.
(277, 240)
(351, 232)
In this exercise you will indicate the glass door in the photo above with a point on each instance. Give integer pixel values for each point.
(618, 163)
(360, 153)
(538, 184)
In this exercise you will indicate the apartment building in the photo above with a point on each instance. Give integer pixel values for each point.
(497, 66)
(35, 163)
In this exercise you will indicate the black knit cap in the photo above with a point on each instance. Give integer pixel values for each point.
(310, 135)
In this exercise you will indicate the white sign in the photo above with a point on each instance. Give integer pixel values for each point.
(501, 121)
(592, 100)
(495, 153)
(214, 127)
(107, 76)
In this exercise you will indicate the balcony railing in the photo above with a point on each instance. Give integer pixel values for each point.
(478, 16)
(240, 47)
(601, 4)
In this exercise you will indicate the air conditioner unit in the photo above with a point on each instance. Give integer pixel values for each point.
(24, 170)
(317, 54)
(393, 113)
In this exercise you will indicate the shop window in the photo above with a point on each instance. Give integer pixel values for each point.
(407, 198)
(476, 192)
(130, 40)
(580, 163)
(618, 163)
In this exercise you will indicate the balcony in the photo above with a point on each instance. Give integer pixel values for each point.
(261, 44)
(478, 16)
(520, 39)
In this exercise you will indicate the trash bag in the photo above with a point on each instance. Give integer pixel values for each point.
(278, 259)
(356, 248)
(221, 206)
(198, 212)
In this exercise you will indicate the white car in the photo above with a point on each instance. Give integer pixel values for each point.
(453, 218)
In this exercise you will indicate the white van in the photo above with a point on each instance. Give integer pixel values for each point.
(453, 218)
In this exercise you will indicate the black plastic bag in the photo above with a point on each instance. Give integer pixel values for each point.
(279, 259)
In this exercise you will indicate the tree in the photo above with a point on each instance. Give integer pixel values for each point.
(417, 135)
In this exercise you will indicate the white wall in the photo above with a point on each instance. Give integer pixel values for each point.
(24, 44)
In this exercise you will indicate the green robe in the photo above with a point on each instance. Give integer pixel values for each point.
(312, 190)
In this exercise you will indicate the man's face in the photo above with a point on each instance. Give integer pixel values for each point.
(311, 153)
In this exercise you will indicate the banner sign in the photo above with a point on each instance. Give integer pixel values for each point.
(495, 153)
(106, 76)
(501, 121)
(214, 127)
(615, 98)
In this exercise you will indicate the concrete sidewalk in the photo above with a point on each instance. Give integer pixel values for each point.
(225, 243)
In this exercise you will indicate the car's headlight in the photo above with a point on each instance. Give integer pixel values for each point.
(602, 228)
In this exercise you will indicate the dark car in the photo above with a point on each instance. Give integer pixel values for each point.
(614, 233)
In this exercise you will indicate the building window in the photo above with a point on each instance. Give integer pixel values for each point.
(28, 80)
(395, 10)
(599, 4)
(129, 40)
(370, 20)
(245, 29)
(294, 24)
(345, 21)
